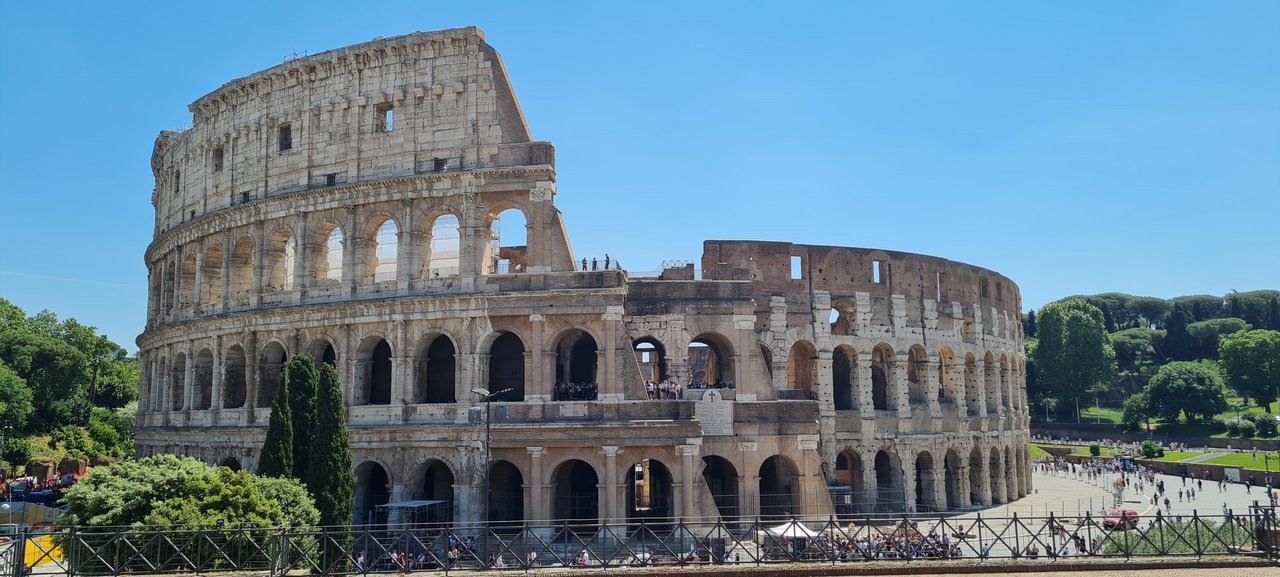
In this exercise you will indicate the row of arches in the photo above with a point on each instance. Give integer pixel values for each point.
(229, 272)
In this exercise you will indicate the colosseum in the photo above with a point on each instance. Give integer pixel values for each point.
(347, 205)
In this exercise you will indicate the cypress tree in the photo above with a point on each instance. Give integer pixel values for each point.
(302, 408)
(1273, 314)
(277, 450)
(331, 481)
(1177, 340)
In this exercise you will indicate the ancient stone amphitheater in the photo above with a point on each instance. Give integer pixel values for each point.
(345, 205)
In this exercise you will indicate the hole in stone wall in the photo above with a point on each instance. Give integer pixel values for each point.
(796, 271)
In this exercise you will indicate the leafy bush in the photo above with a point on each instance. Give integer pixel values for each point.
(1252, 418)
(1150, 449)
(1095, 450)
(1267, 427)
(1246, 429)
(17, 451)
(1220, 422)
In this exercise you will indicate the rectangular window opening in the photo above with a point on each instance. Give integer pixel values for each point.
(796, 271)
(217, 159)
(177, 180)
(331, 179)
(244, 197)
(385, 118)
(999, 291)
(941, 278)
(285, 137)
(193, 215)
(875, 272)
(438, 164)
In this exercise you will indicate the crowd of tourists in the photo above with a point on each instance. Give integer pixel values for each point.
(41, 490)
(670, 390)
(575, 392)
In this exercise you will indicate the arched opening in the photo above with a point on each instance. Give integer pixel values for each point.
(881, 365)
(802, 368)
(721, 478)
(652, 358)
(926, 495)
(269, 366)
(844, 370)
(211, 282)
(325, 254)
(848, 491)
(322, 351)
(506, 493)
(178, 378)
(576, 360)
(235, 380)
(952, 466)
(437, 369)
(576, 497)
(890, 497)
(445, 246)
(187, 295)
(917, 366)
(946, 382)
(506, 367)
(975, 477)
(374, 360)
(710, 359)
(649, 492)
(995, 467)
(277, 261)
(373, 489)
(841, 317)
(435, 484)
(779, 486)
(230, 463)
(241, 271)
(386, 247)
(202, 381)
(507, 251)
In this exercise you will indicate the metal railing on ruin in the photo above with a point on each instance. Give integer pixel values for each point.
(392, 548)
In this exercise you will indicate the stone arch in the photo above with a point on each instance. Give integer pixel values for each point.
(995, 468)
(802, 368)
(651, 355)
(326, 253)
(882, 359)
(379, 251)
(373, 489)
(202, 381)
(844, 316)
(927, 498)
(322, 350)
(575, 495)
(374, 370)
(721, 478)
(711, 356)
(649, 492)
(976, 469)
(187, 282)
(952, 467)
(850, 473)
(577, 364)
(444, 251)
(235, 381)
(917, 367)
(230, 463)
(270, 366)
(506, 366)
(779, 488)
(177, 380)
(947, 392)
(211, 277)
(437, 367)
(277, 260)
(433, 480)
(508, 248)
(506, 493)
(890, 491)
(241, 276)
(844, 378)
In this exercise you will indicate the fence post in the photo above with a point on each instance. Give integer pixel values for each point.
(20, 552)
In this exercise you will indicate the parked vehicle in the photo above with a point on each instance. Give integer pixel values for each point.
(1121, 519)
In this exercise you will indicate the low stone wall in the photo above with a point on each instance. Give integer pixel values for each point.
(1089, 432)
(1207, 471)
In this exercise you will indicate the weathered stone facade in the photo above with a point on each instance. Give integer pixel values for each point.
(341, 205)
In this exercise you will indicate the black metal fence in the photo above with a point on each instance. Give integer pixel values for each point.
(102, 551)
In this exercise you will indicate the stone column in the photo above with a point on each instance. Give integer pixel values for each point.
(406, 247)
(940, 484)
(687, 452)
(932, 387)
(956, 374)
(975, 380)
(610, 384)
(865, 404)
(871, 488)
(984, 478)
(188, 378)
(251, 384)
(909, 482)
(349, 248)
(259, 241)
(536, 507)
(610, 500)
(224, 299)
(898, 386)
(399, 364)
(197, 298)
(301, 281)
(398, 493)
(962, 474)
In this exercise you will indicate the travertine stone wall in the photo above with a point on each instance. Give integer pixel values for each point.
(893, 378)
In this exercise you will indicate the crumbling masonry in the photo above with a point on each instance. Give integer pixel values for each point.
(342, 204)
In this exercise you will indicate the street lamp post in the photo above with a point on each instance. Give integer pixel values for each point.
(4, 446)
(488, 446)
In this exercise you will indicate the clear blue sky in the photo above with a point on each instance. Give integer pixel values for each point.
(1077, 147)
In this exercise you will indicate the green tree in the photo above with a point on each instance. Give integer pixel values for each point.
(17, 451)
(1029, 324)
(1178, 343)
(52, 370)
(1136, 411)
(1190, 388)
(1273, 313)
(15, 398)
(1208, 333)
(1138, 356)
(1251, 361)
(1200, 307)
(303, 381)
(1073, 352)
(331, 481)
(276, 459)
